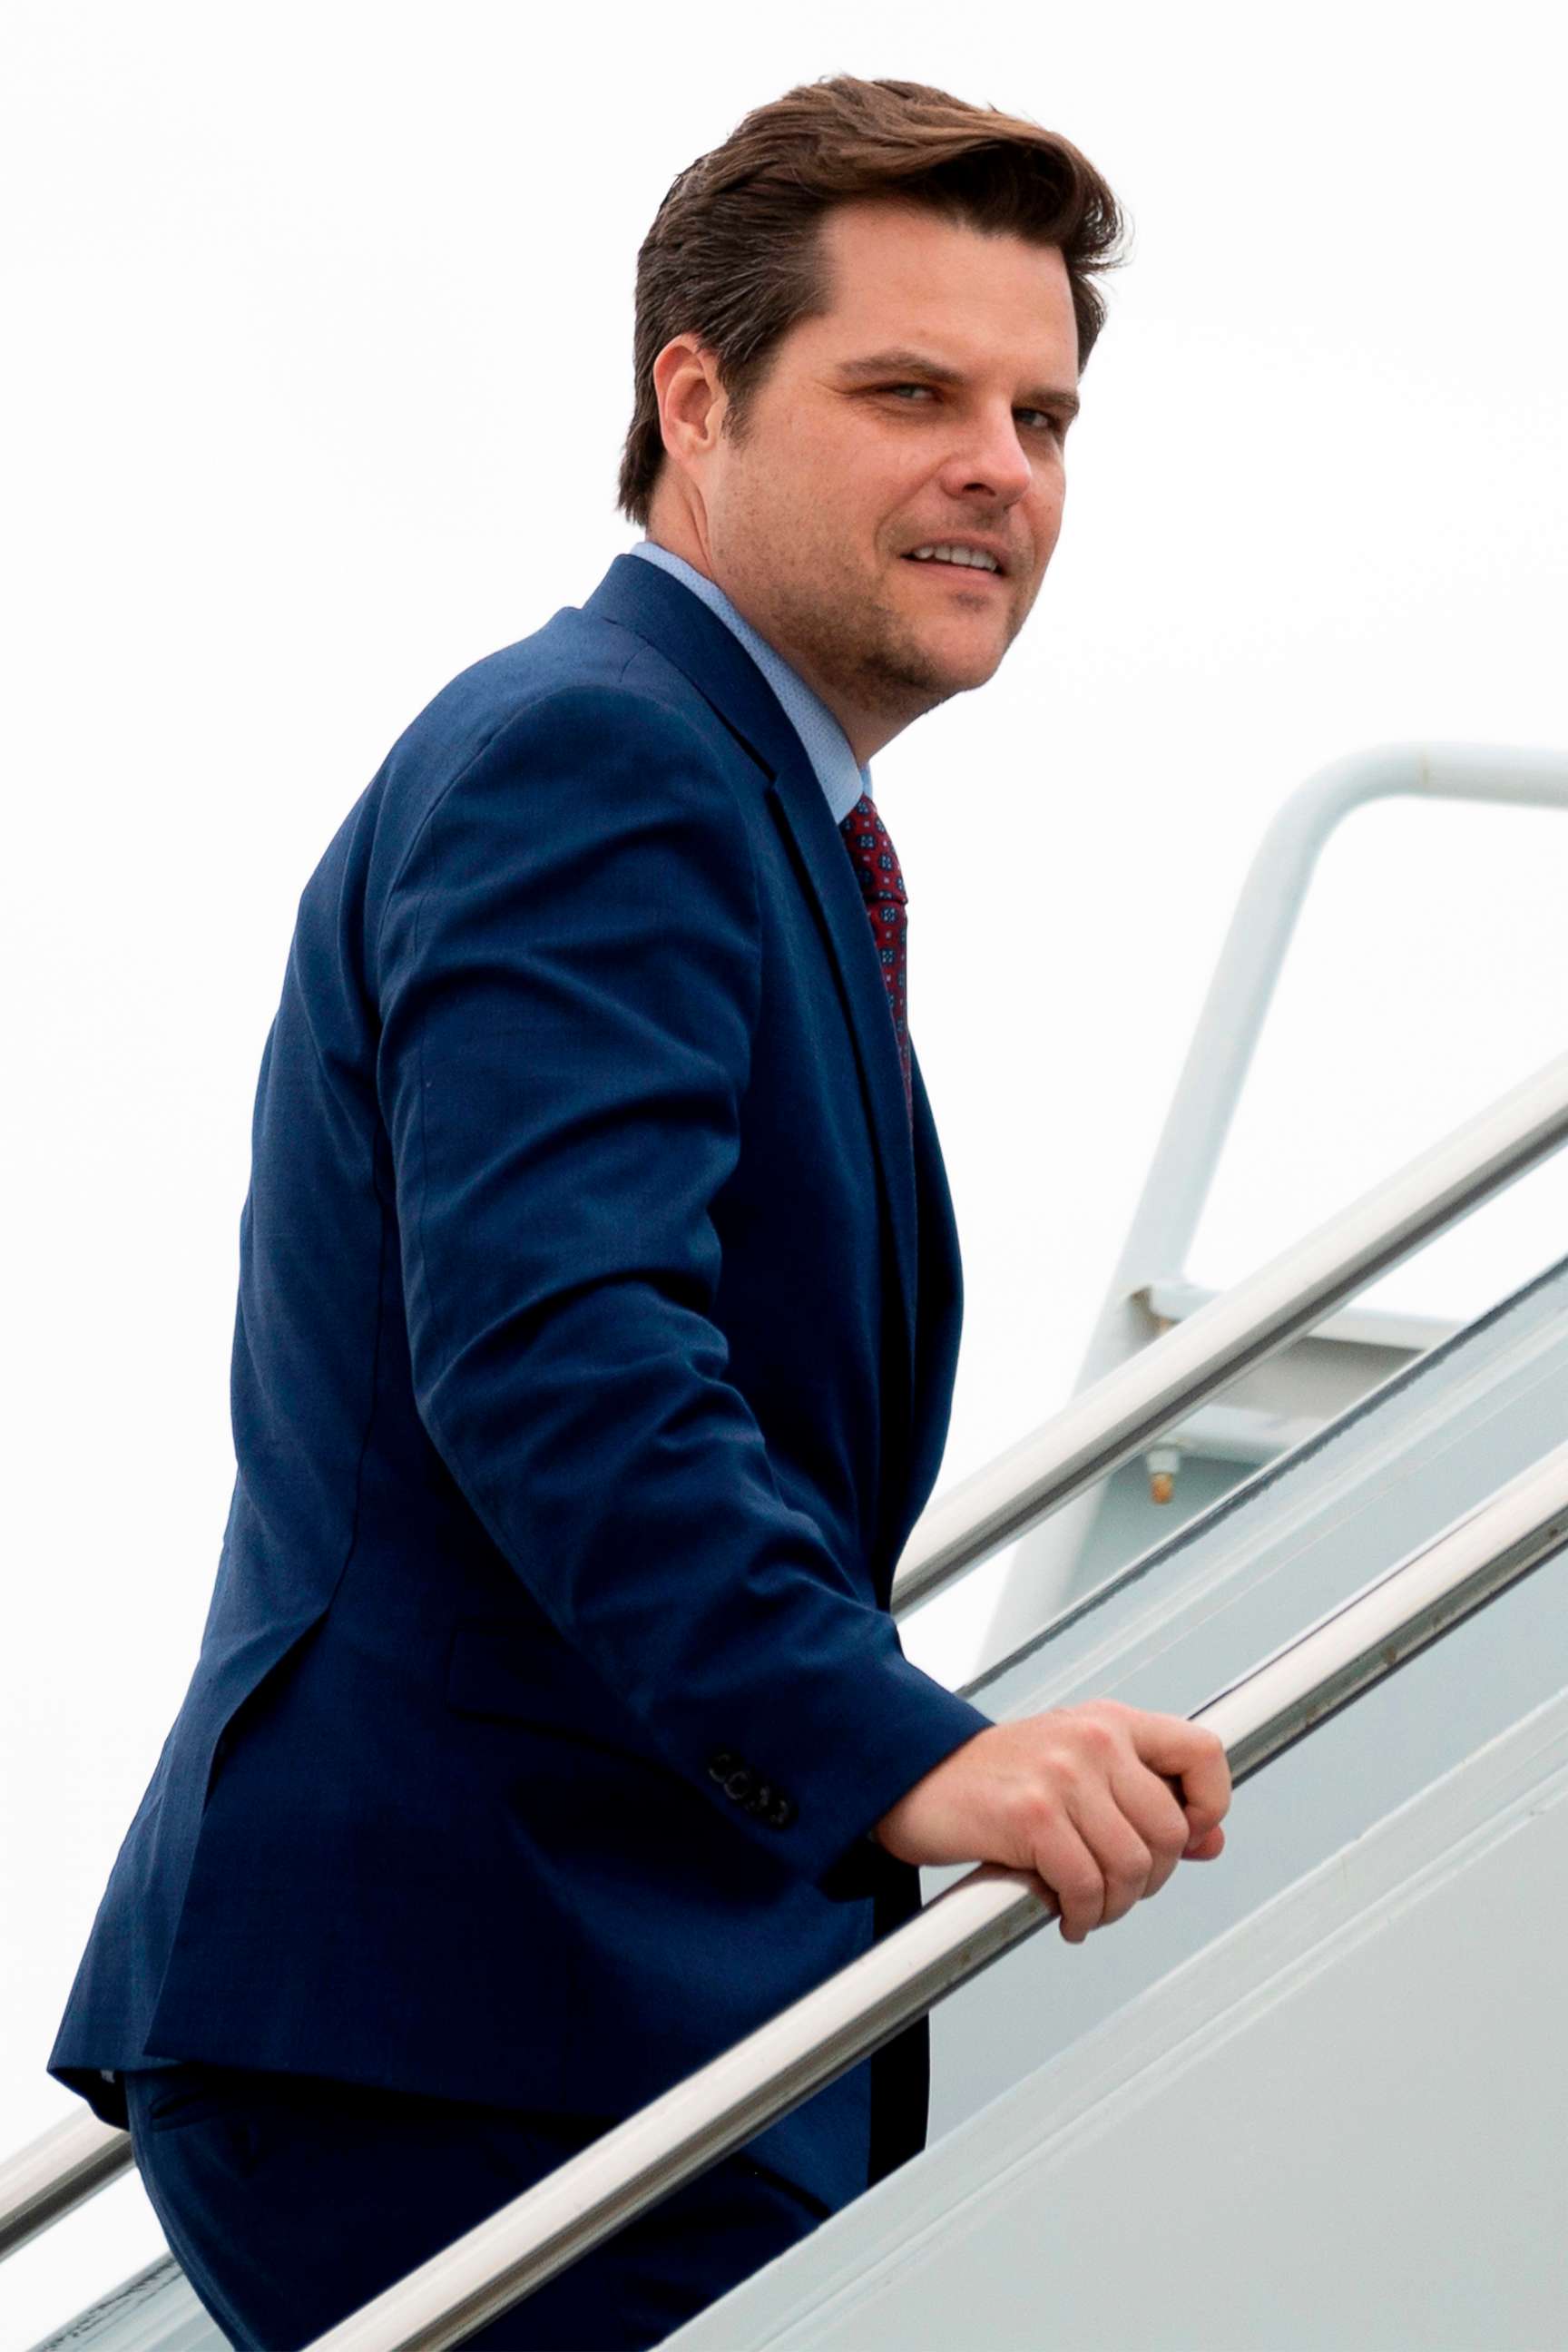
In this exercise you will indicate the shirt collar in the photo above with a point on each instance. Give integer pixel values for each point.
(823, 740)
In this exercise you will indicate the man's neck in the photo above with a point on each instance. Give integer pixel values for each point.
(677, 534)
(843, 780)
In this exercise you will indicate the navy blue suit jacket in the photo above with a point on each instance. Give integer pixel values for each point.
(596, 1327)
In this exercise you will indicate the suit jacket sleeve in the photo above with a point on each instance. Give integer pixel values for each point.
(566, 965)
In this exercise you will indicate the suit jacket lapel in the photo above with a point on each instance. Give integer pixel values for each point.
(941, 1279)
(641, 597)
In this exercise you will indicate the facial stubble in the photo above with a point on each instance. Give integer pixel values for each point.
(862, 651)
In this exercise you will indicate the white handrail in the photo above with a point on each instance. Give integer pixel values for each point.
(1247, 973)
(989, 1911)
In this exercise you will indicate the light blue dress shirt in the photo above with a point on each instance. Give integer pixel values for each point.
(823, 740)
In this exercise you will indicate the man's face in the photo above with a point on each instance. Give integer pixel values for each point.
(925, 410)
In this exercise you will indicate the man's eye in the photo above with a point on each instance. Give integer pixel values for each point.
(1041, 416)
(920, 391)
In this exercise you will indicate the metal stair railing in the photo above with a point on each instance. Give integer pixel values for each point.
(1097, 1430)
(1107, 1424)
(1267, 908)
(55, 2172)
(1153, 1258)
(963, 1931)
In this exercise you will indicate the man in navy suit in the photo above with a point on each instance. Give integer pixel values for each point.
(597, 1317)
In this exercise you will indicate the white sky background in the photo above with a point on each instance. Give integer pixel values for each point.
(322, 322)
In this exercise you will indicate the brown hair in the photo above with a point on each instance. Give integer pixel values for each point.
(733, 255)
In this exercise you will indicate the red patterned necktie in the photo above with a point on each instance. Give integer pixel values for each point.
(876, 862)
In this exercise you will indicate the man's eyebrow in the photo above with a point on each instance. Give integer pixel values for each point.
(910, 365)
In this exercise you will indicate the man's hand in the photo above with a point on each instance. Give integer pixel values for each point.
(1082, 1798)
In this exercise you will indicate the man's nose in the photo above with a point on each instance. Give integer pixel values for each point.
(990, 462)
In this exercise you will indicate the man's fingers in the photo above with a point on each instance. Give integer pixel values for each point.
(1152, 1804)
(1189, 1754)
(1125, 1861)
(1101, 1802)
(1074, 1877)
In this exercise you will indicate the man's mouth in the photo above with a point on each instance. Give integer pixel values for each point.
(967, 558)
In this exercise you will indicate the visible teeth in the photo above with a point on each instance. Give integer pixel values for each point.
(974, 556)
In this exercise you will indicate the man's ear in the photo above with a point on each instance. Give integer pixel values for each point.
(691, 401)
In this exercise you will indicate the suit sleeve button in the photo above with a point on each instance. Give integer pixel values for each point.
(740, 1782)
(781, 1812)
(722, 1763)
